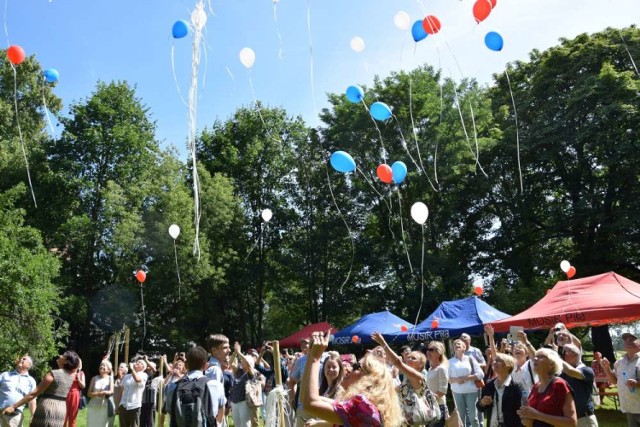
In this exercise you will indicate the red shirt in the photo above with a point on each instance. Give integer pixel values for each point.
(550, 401)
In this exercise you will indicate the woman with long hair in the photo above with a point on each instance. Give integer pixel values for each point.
(414, 382)
(550, 402)
(438, 377)
(53, 391)
(332, 375)
(100, 391)
(463, 371)
(370, 398)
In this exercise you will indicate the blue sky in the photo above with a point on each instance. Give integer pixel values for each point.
(91, 40)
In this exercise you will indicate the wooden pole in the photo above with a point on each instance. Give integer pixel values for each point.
(278, 373)
(126, 345)
(159, 417)
(115, 352)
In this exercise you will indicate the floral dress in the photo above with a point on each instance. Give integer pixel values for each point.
(407, 401)
(358, 412)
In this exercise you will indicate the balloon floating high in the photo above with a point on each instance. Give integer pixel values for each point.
(481, 10)
(357, 44)
(174, 231)
(180, 29)
(342, 162)
(571, 272)
(247, 57)
(431, 24)
(355, 94)
(380, 111)
(16, 54)
(266, 215)
(565, 265)
(478, 290)
(384, 173)
(417, 31)
(401, 20)
(398, 172)
(141, 276)
(51, 75)
(419, 212)
(494, 41)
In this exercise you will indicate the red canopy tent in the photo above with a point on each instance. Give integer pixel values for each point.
(591, 301)
(293, 341)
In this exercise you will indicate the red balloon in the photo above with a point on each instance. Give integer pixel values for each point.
(404, 328)
(481, 10)
(478, 290)
(571, 272)
(16, 54)
(431, 24)
(434, 324)
(355, 339)
(493, 3)
(141, 276)
(384, 173)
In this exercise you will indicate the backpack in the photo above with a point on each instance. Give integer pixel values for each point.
(191, 404)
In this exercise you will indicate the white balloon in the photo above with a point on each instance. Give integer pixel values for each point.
(266, 215)
(174, 231)
(565, 266)
(247, 57)
(357, 44)
(402, 20)
(419, 212)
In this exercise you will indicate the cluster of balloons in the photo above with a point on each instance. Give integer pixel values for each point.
(247, 57)
(567, 268)
(174, 231)
(141, 276)
(342, 162)
(423, 27)
(396, 173)
(419, 212)
(482, 9)
(180, 29)
(16, 55)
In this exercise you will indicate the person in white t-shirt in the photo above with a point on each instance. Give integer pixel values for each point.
(132, 390)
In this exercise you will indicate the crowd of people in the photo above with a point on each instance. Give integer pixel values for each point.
(511, 384)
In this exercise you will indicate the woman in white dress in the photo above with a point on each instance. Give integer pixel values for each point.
(100, 391)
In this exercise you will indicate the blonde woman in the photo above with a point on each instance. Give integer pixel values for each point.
(550, 402)
(369, 399)
(438, 377)
(463, 371)
(100, 391)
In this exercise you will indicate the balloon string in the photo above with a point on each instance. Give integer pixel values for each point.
(413, 124)
(275, 20)
(384, 150)
(313, 89)
(374, 188)
(255, 243)
(46, 110)
(4, 18)
(435, 152)
(628, 53)
(404, 242)
(404, 145)
(175, 77)
(175, 252)
(24, 151)
(353, 249)
(230, 73)
(515, 115)
(255, 101)
(421, 277)
(144, 317)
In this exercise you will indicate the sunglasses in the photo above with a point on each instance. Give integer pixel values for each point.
(432, 349)
(358, 367)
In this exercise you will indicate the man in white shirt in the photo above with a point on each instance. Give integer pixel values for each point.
(132, 390)
(625, 374)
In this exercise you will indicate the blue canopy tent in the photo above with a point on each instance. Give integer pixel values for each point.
(384, 322)
(453, 319)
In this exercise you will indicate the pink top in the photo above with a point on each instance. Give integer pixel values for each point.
(358, 412)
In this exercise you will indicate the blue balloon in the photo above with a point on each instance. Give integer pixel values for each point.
(355, 94)
(398, 172)
(418, 32)
(342, 162)
(51, 75)
(380, 111)
(180, 29)
(494, 41)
